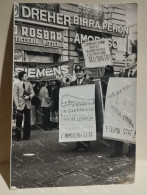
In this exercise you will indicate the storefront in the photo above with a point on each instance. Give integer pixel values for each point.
(37, 40)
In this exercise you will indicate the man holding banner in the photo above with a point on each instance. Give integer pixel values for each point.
(81, 80)
(131, 71)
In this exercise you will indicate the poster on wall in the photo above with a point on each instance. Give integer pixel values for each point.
(63, 97)
(121, 44)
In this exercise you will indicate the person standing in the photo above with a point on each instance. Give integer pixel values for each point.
(22, 95)
(35, 110)
(81, 80)
(130, 71)
(45, 104)
(109, 72)
(56, 100)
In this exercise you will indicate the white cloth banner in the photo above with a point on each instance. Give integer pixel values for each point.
(77, 113)
(97, 53)
(120, 110)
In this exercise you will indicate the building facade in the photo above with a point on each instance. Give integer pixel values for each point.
(46, 33)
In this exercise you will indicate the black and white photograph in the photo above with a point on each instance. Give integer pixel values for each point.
(74, 94)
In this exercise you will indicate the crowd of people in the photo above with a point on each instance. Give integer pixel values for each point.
(39, 101)
(44, 102)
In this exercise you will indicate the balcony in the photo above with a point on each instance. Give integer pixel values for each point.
(89, 13)
(53, 7)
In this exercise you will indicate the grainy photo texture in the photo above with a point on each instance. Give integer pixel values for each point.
(74, 94)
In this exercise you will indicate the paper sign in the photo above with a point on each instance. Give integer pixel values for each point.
(120, 110)
(97, 53)
(77, 113)
(121, 44)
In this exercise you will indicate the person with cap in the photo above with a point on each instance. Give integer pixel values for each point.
(81, 80)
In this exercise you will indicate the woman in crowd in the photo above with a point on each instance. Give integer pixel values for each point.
(45, 104)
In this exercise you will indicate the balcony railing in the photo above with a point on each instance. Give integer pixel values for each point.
(54, 7)
(91, 14)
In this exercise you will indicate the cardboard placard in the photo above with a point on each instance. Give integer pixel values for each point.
(77, 113)
(97, 53)
(120, 110)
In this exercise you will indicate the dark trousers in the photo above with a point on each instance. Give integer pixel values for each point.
(83, 145)
(118, 148)
(46, 118)
(19, 117)
(132, 149)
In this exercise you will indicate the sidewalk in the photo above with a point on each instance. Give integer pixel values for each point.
(44, 162)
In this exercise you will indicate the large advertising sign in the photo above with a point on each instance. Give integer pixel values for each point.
(38, 36)
(77, 113)
(50, 14)
(120, 110)
(97, 53)
(81, 38)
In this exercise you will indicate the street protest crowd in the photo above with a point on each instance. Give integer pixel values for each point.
(39, 101)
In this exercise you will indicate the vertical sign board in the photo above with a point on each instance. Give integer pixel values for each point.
(120, 110)
(97, 53)
(77, 113)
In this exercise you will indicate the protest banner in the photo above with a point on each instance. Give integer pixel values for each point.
(77, 113)
(97, 53)
(44, 71)
(120, 110)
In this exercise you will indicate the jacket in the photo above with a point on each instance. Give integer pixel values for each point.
(85, 82)
(44, 97)
(18, 92)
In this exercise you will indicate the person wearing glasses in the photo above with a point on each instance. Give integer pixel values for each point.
(81, 80)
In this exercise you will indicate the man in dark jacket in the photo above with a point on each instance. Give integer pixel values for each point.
(109, 72)
(81, 80)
